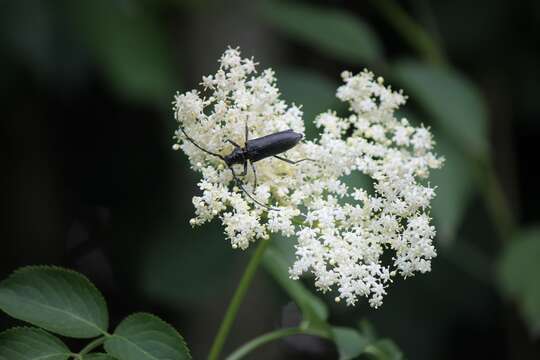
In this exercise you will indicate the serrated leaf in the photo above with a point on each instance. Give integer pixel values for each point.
(517, 270)
(144, 336)
(349, 342)
(27, 343)
(314, 311)
(98, 356)
(59, 300)
(129, 45)
(456, 106)
(334, 32)
(384, 350)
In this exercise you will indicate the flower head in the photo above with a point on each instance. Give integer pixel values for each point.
(343, 230)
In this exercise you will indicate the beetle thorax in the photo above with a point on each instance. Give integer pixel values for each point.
(237, 156)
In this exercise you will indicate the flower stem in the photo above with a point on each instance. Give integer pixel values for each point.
(236, 300)
(91, 346)
(251, 345)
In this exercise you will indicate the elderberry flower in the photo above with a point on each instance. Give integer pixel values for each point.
(343, 231)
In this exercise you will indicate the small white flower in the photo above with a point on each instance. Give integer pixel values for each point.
(342, 231)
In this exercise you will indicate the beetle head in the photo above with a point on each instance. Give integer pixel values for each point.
(236, 157)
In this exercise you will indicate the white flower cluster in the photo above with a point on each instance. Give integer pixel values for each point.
(352, 239)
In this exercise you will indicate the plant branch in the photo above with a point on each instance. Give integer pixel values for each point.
(236, 300)
(91, 346)
(251, 345)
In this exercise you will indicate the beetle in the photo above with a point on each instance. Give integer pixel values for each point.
(255, 150)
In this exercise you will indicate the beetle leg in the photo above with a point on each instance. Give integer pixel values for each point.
(254, 175)
(234, 144)
(244, 173)
(247, 133)
(294, 162)
(239, 183)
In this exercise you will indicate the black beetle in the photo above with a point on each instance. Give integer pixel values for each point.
(255, 150)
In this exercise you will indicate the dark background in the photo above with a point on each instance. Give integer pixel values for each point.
(89, 180)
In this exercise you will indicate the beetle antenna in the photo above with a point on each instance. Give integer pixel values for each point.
(198, 146)
(239, 183)
(294, 162)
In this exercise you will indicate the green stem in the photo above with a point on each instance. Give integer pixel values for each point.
(236, 300)
(413, 33)
(248, 347)
(91, 346)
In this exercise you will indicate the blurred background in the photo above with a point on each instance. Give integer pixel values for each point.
(90, 182)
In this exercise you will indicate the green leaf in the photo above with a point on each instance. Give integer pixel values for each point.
(349, 342)
(334, 32)
(314, 92)
(455, 187)
(359, 180)
(25, 343)
(127, 41)
(352, 343)
(98, 356)
(314, 311)
(144, 336)
(518, 268)
(384, 350)
(453, 101)
(367, 329)
(59, 300)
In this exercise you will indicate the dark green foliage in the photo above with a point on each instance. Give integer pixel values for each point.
(67, 303)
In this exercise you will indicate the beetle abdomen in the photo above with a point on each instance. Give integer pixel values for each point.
(272, 144)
